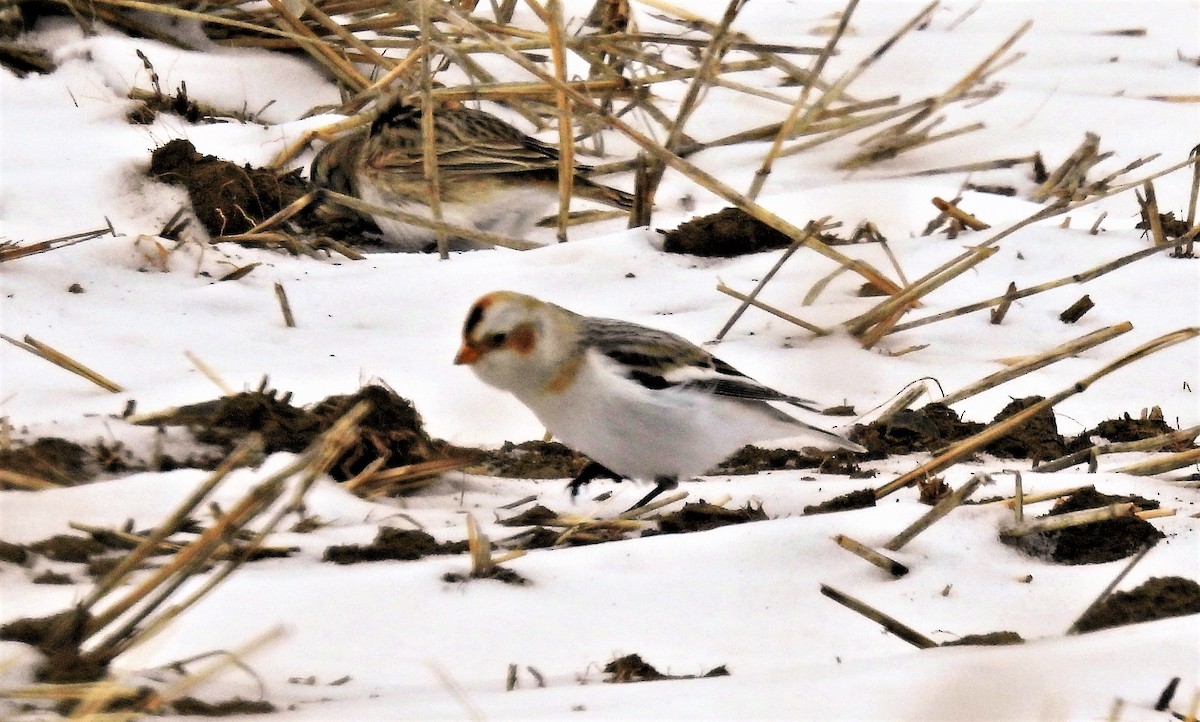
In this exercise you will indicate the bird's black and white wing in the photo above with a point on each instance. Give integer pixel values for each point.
(662, 360)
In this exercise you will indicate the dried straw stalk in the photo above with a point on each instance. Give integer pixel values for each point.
(58, 358)
(941, 509)
(566, 140)
(310, 466)
(779, 313)
(887, 564)
(811, 229)
(674, 161)
(1162, 464)
(968, 446)
(1091, 455)
(1070, 519)
(788, 126)
(891, 624)
(12, 252)
(1037, 361)
(700, 77)
(1081, 277)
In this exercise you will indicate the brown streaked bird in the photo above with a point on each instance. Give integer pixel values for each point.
(492, 176)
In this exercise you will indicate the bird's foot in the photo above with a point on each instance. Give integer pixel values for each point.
(589, 472)
(662, 483)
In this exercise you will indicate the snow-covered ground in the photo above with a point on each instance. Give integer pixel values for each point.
(747, 597)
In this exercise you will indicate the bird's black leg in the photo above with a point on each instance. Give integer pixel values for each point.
(664, 483)
(589, 472)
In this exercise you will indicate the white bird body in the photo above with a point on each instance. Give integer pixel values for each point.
(640, 402)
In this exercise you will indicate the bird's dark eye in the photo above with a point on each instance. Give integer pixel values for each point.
(496, 340)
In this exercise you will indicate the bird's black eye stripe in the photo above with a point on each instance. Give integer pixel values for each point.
(473, 319)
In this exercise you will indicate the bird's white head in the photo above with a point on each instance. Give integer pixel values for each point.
(518, 343)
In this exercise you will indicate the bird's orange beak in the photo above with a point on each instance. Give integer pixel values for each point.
(467, 355)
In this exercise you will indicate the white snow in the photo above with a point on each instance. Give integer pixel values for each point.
(747, 597)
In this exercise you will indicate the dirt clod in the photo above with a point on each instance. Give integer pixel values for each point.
(68, 548)
(726, 233)
(860, 499)
(1096, 543)
(55, 460)
(392, 428)
(12, 553)
(994, 639)
(632, 668)
(753, 459)
(226, 708)
(226, 197)
(910, 430)
(1157, 598)
(392, 543)
(1037, 438)
(703, 516)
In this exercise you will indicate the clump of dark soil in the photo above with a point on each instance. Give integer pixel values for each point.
(753, 459)
(1158, 598)
(1127, 429)
(68, 548)
(860, 499)
(51, 459)
(226, 708)
(497, 572)
(1037, 438)
(58, 637)
(12, 553)
(392, 429)
(632, 668)
(226, 197)
(530, 517)
(726, 233)
(392, 543)
(926, 429)
(992, 639)
(1096, 543)
(703, 516)
(529, 460)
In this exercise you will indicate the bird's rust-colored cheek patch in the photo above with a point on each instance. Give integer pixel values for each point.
(522, 340)
(565, 375)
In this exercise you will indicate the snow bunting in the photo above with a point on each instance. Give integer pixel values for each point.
(639, 402)
(492, 176)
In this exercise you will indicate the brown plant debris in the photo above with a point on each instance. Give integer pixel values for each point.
(994, 639)
(860, 499)
(1126, 429)
(702, 516)
(392, 430)
(68, 548)
(726, 233)
(497, 572)
(226, 197)
(1157, 598)
(225, 708)
(52, 459)
(391, 543)
(1096, 543)
(632, 668)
